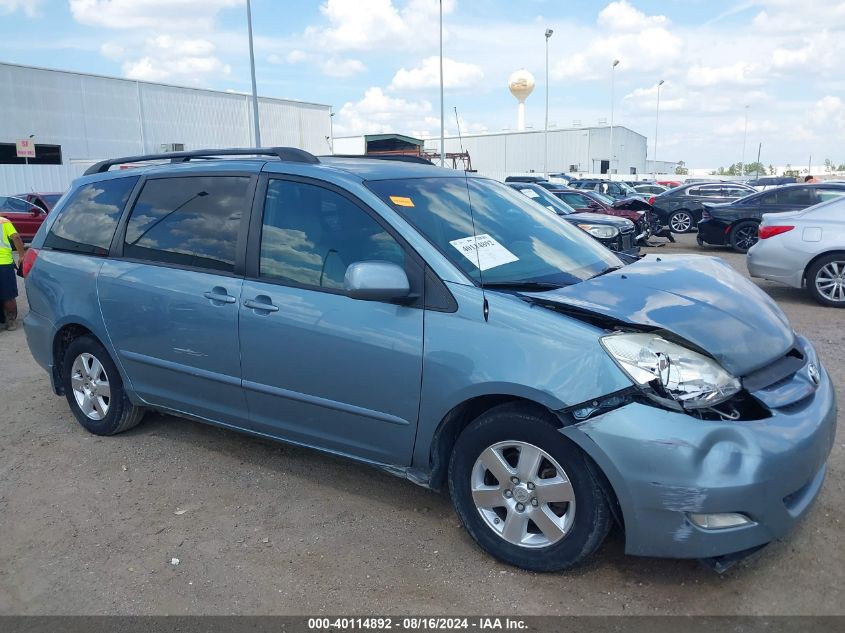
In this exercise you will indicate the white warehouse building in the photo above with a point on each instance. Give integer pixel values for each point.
(77, 119)
(579, 150)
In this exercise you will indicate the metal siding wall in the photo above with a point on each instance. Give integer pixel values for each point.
(93, 118)
(502, 155)
(196, 118)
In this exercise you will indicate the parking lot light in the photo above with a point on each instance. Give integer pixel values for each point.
(612, 76)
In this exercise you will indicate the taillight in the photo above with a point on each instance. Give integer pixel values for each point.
(705, 214)
(29, 260)
(651, 200)
(766, 232)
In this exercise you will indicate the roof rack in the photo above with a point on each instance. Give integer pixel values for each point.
(290, 154)
(402, 158)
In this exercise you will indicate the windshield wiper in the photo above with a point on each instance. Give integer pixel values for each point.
(521, 285)
(609, 269)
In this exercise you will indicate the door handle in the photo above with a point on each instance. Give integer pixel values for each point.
(255, 304)
(220, 297)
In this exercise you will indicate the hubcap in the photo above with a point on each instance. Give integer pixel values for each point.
(90, 386)
(681, 222)
(746, 237)
(523, 494)
(830, 281)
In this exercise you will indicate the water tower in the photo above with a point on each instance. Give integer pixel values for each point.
(521, 84)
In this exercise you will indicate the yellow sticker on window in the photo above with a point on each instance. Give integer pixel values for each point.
(401, 201)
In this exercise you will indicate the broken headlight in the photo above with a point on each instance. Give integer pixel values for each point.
(670, 373)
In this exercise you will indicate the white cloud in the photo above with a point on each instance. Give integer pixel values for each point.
(377, 113)
(334, 67)
(296, 56)
(828, 113)
(427, 75)
(739, 73)
(274, 59)
(173, 59)
(170, 15)
(622, 16)
(372, 24)
(112, 50)
(643, 44)
(30, 8)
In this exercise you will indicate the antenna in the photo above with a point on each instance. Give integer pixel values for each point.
(486, 306)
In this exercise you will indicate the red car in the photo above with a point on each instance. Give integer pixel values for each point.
(44, 200)
(26, 216)
(669, 183)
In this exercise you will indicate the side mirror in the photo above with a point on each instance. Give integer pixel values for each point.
(376, 281)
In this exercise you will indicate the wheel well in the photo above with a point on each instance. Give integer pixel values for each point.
(64, 337)
(456, 421)
(459, 418)
(817, 258)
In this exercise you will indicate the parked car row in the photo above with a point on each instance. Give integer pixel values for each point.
(442, 327)
(27, 211)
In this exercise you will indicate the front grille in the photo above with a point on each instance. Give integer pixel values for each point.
(626, 241)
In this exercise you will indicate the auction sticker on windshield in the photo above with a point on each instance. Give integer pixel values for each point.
(483, 251)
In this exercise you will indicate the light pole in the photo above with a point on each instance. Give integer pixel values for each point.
(26, 162)
(656, 123)
(744, 137)
(612, 77)
(252, 70)
(549, 33)
(442, 115)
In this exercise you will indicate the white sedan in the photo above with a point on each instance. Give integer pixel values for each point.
(804, 249)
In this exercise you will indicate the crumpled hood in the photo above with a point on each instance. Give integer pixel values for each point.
(700, 299)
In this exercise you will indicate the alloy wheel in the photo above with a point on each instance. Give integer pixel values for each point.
(746, 237)
(830, 281)
(90, 386)
(523, 494)
(680, 222)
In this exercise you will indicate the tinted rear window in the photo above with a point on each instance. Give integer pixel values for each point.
(87, 222)
(188, 221)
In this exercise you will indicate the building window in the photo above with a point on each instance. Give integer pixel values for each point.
(44, 155)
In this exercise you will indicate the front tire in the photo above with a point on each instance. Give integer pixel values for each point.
(744, 236)
(526, 494)
(826, 280)
(94, 389)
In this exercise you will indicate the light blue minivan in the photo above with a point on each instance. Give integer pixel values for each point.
(445, 328)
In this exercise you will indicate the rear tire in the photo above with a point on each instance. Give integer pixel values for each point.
(681, 221)
(94, 389)
(744, 236)
(546, 511)
(826, 280)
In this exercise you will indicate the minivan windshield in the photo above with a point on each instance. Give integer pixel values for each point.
(507, 239)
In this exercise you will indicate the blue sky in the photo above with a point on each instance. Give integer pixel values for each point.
(375, 61)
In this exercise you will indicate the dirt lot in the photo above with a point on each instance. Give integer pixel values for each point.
(89, 525)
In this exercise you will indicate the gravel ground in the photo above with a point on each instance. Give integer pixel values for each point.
(89, 525)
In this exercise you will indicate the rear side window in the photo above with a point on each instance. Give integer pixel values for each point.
(829, 194)
(87, 222)
(188, 221)
(797, 195)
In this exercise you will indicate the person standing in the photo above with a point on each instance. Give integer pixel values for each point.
(8, 281)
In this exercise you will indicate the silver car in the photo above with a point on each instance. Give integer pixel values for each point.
(804, 249)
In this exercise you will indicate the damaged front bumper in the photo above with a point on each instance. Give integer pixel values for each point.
(665, 466)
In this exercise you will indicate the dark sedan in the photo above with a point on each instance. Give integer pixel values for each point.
(616, 233)
(680, 208)
(735, 224)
